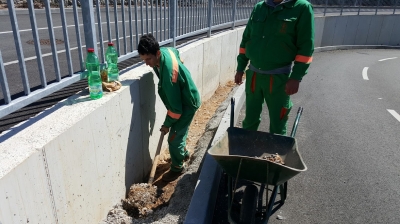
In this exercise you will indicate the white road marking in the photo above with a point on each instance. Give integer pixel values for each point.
(395, 114)
(387, 59)
(365, 73)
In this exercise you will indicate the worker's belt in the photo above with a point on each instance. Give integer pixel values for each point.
(284, 70)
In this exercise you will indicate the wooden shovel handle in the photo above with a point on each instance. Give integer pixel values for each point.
(156, 158)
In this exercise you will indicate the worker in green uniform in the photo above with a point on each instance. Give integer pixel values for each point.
(278, 33)
(179, 95)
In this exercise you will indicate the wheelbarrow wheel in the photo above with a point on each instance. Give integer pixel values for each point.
(249, 205)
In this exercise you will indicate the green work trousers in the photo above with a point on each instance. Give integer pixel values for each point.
(177, 138)
(271, 89)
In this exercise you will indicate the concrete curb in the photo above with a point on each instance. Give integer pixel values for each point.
(201, 208)
(352, 47)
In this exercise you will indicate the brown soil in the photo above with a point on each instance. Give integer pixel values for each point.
(143, 199)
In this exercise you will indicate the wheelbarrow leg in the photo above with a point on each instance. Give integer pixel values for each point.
(283, 191)
(271, 204)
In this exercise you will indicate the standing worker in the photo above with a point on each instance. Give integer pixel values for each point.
(179, 95)
(278, 32)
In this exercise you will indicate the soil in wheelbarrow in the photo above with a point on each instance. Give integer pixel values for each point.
(168, 202)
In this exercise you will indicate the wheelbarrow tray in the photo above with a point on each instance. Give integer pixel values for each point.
(240, 154)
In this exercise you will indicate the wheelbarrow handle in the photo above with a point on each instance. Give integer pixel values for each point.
(232, 111)
(296, 122)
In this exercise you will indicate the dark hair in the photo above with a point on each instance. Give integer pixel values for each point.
(148, 45)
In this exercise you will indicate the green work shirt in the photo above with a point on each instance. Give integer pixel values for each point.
(175, 87)
(275, 37)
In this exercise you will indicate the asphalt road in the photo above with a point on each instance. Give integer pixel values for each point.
(349, 139)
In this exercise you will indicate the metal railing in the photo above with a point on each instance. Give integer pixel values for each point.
(28, 73)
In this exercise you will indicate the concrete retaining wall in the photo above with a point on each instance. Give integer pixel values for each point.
(72, 162)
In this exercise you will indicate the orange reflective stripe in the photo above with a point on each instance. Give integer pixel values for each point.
(175, 67)
(242, 50)
(173, 115)
(303, 59)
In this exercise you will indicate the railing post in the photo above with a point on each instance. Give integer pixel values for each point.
(209, 17)
(172, 21)
(89, 25)
(341, 7)
(326, 5)
(395, 6)
(377, 5)
(234, 14)
(359, 7)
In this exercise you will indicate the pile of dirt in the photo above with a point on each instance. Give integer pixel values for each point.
(168, 202)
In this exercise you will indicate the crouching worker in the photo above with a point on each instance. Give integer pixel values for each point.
(179, 95)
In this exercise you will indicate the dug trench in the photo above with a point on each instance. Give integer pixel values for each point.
(168, 202)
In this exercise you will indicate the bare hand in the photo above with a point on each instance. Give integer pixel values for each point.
(239, 78)
(164, 130)
(292, 86)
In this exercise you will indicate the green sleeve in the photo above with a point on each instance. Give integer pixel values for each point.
(304, 43)
(242, 60)
(173, 94)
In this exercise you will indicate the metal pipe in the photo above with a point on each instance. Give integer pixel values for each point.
(209, 17)
(17, 41)
(124, 26)
(88, 25)
(326, 5)
(234, 14)
(172, 21)
(37, 44)
(116, 27)
(130, 24)
(395, 6)
(359, 7)
(4, 83)
(341, 7)
(100, 31)
(108, 21)
(66, 38)
(377, 5)
(78, 35)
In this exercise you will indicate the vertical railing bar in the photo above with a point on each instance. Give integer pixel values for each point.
(359, 7)
(66, 38)
(124, 26)
(377, 5)
(100, 31)
(186, 16)
(37, 45)
(177, 19)
(202, 22)
(209, 17)
(17, 41)
(78, 34)
(108, 21)
(141, 17)
(395, 7)
(3, 82)
(165, 21)
(341, 6)
(52, 41)
(159, 39)
(116, 26)
(192, 16)
(172, 20)
(130, 23)
(151, 17)
(326, 5)
(234, 14)
(136, 23)
(147, 17)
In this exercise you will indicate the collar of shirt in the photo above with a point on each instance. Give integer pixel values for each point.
(273, 4)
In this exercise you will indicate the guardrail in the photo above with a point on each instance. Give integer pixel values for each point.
(106, 20)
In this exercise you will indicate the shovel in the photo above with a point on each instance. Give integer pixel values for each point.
(156, 158)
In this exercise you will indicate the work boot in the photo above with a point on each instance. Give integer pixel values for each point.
(173, 175)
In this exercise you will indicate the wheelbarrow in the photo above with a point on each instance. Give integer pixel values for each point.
(241, 155)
